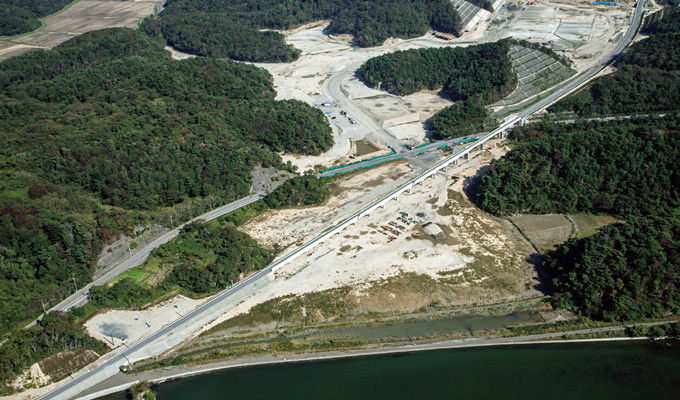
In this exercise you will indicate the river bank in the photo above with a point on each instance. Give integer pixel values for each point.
(122, 381)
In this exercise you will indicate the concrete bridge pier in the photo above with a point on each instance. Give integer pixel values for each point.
(481, 147)
(500, 134)
(466, 156)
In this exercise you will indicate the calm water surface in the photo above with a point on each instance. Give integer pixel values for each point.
(555, 371)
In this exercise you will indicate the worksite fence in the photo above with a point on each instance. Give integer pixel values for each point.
(358, 162)
(361, 167)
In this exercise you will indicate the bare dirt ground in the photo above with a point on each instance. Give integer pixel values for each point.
(62, 364)
(81, 17)
(267, 179)
(546, 231)
(480, 259)
(116, 327)
(584, 32)
(290, 228)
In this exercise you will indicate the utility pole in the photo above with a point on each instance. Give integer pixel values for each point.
(128, 360)
(173, 225)
(74, 283)
(43, 304)
(129, 251)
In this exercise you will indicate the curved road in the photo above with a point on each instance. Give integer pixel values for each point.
(81, 297)
(332, 89)
(87, 379)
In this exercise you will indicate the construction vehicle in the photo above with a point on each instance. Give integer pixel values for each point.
(444, 36)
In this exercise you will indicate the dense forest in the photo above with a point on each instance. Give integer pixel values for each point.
(474, 76)
(303, 190)
(467, 117)
(208, 256)
(220, 36)
(231, 28)
(647, 79)
(22, 16)
(618, 168)
(484, 69)
(105, 129)
(625, 272)
(627, 169)
(55, 333)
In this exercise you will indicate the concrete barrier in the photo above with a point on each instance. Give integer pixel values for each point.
(111, 390)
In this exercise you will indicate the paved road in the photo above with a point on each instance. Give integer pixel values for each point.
(81, 297)
(82, 382)
(580, 79)
(181, 371)
(333, 90)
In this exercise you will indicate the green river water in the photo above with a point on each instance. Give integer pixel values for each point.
(603, 370)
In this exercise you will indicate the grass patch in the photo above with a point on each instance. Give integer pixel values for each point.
(21, 193)
(306, 308)
(588, 224)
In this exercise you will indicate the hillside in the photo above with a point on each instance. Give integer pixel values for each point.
(625, 272)
(22, 16)
(102, 132)
(616, 168)
(231, 28)
(647, 79)
(474, 76)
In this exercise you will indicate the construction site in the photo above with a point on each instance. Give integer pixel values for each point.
(435, 234)
(429, 251)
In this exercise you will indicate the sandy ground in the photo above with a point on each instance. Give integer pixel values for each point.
(361, 255)
(583, 31)
(290, 228)
(116, 327)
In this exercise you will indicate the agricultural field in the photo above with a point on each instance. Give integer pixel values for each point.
(549, 231)
(80, 17)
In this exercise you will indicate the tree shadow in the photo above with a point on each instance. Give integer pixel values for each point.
(328, 30)
(427, 127)
(541, 282)
(471, 186)
(362, 79)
